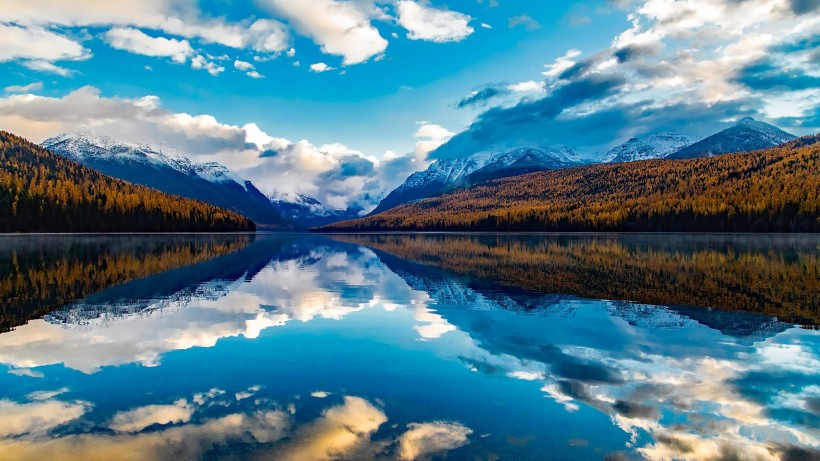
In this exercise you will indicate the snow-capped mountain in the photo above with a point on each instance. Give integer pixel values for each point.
(309, 212)
(167, 170)
(648, 146)
(448, 174)
(746, 135)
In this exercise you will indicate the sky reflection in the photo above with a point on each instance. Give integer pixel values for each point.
(306, 348)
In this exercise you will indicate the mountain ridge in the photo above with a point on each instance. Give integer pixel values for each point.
(41, 191)
(448, 174)
(746, 135)
(167, 170)
(745, 192)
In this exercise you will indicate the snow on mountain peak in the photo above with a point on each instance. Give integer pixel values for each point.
(648, 146)
(85, 144)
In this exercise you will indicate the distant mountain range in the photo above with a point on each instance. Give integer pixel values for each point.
(450, 174)
(745, 136)
(445, 175)
(727, 193)
(169, 171)
(309, 212)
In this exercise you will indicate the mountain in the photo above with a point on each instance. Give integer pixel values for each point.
(44, 192)
(169, 171)
(745, 136)
(648, 146)
(448, 174)
(772, 190)
(309, 212)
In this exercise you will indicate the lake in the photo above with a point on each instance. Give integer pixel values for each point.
(435, 346)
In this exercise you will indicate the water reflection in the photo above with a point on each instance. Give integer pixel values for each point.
(39, 274)
(302, 347)
(771, 274)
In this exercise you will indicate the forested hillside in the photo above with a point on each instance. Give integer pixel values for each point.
(773, 190)
(43, 192)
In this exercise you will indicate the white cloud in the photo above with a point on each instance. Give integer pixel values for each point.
(431, 24)
(486, 26)
(36, 418)
(320, 67)
(34, 86)
(46, 395)
(139, 418)
(561, 64)
(430, 136)
(423, 439)
(201, 62)
(136, 41)
(338, 432)
(268, 35)
(38, 44)
(170, 17)
(248, 68)
(341, 28)
(45, 66)
(335, 174)
(242, 65)
(530, 86)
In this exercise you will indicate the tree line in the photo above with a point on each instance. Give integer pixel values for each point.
(773, 190)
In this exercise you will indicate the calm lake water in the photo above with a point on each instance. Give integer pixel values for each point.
(464, 347)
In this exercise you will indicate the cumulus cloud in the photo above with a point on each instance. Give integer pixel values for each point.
(169, 17)
(38, 44)
(136, 41)
(38, 417)
(139, 418)
(201, 62)
(320, 67)
(428, 438)
(242, 65)
(341, 28)
(335, 174)
(431, 24)
(340, 431)
(42, 30)
(430, 136)
(689, 65)
(248, 68)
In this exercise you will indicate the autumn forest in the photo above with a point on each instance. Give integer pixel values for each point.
(773, 190)
(43, 192)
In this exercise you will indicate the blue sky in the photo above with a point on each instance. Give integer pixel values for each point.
(291, 92)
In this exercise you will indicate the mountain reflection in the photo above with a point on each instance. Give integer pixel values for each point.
(776, 275)
(39, 274)
(307, 348)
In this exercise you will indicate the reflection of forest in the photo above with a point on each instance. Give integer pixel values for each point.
(777, 276)
(41, 274)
